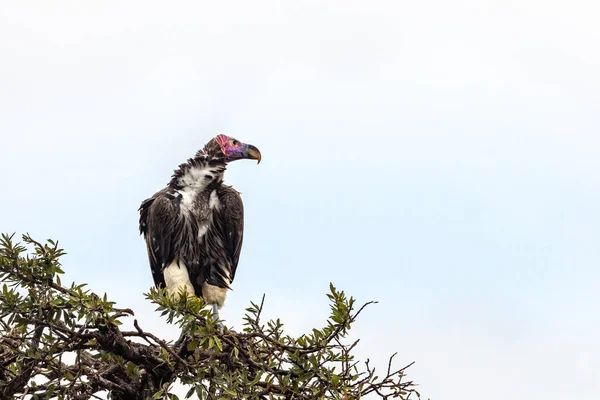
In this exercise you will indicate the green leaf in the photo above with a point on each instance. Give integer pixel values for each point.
(190, 392)
(218, 343)
(157, 395)
(335, 380)
(192, 345)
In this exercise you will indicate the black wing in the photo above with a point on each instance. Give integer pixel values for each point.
(159, 223)
(232, 217)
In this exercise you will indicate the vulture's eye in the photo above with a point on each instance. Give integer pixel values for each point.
(235, 142)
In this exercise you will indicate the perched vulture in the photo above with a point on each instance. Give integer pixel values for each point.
(194, 227)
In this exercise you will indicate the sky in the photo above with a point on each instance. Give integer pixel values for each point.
(438, 157)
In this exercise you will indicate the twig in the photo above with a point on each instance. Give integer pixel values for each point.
(160, 342)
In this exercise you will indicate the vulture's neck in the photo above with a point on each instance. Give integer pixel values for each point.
(205, 170)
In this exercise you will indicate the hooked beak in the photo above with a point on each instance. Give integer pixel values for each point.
(253, 153)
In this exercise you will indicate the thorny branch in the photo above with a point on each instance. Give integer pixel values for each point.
(66, 342)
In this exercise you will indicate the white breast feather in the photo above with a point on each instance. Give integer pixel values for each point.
(214, 202)
(188, 195)
(202, 230)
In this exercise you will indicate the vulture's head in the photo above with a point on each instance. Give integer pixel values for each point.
(233, 149)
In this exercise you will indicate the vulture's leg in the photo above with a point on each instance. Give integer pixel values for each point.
(215, 309)
(215, 296)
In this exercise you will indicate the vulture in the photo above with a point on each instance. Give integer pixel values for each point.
(194, 227)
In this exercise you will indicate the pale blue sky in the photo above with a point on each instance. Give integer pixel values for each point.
(440, 157)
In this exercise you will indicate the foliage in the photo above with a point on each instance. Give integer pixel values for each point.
(66, 342)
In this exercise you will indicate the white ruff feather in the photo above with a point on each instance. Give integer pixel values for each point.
(193, 182)
(176, 276)
(194, 177)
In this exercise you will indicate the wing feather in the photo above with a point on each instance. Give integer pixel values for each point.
(232, 217)
(159, 222)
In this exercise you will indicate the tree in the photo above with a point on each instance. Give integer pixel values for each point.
(66, 342)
